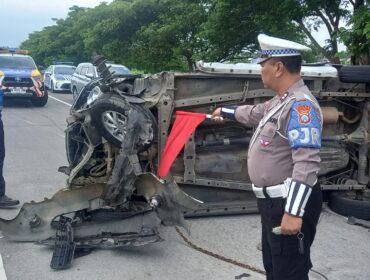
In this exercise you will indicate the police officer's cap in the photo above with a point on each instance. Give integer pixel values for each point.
(276, 47)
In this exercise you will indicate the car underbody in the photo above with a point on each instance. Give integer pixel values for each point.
(117, 130)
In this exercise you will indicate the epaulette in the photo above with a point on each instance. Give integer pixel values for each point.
(300, 96)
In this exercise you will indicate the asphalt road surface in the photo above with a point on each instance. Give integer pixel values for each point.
(34, 139)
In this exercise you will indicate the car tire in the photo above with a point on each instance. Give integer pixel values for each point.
(40, 101)
(354, 74)
(344, 203)
(109, 111)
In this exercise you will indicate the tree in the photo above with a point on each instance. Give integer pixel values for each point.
(312, 15)
(59, 42)
(157, 35)
(232, 28)
(357, 37)
(172, 40)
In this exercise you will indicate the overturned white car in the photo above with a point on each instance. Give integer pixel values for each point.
(117, 130)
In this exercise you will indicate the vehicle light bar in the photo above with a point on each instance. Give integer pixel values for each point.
(13, 50)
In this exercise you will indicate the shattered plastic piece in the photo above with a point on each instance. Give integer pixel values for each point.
(64, 247)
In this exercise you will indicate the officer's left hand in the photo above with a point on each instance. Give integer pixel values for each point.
(290, 224)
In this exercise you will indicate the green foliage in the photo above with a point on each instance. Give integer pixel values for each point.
(172, 40)
(58, 42)
(357, 38)
(315, 15)
(157, 35)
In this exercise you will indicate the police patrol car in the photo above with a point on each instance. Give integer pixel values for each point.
(57, 77)
(20, 78)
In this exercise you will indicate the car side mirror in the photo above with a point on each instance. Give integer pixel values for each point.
(47, 73)
(89, 75)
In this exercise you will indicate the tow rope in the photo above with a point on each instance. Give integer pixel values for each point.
(217, 256)
(228, 260)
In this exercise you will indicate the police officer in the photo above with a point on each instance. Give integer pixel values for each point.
(283, 160)
(5, 201)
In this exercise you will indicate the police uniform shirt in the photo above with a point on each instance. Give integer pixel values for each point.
(288, 144)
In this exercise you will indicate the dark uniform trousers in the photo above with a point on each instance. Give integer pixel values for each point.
(282, 258)
(2, 156)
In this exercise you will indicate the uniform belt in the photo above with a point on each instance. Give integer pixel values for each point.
(280, 190)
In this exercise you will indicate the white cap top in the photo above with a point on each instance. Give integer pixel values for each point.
(276, 47)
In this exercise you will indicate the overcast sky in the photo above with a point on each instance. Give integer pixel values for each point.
(18, 18)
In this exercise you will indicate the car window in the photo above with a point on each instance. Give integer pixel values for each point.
(119, 70)
(63, 70)
(84, 70)
(78, 70)
(91, 71)
(17, 62)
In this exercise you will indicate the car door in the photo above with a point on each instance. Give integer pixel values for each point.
(82, 78)
(47, 76)
(74, 78)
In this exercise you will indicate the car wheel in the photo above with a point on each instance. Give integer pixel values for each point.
(46, 89)
(355, 74)
(74, 93)
(346, 204)
(40, 101)
(110, 116)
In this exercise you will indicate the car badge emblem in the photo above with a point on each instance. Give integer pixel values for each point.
(17, 79)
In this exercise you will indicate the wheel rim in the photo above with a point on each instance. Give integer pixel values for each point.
(115, 124)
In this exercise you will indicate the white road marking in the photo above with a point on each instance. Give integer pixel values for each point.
(31, 123)
(61, 101)
(2, 271)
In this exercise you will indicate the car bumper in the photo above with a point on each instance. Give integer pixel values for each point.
(62, 86)
(21, 92)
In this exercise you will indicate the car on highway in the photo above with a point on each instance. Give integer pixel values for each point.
(57, 77)
(117, 131)
(20, 77)
(85, 72)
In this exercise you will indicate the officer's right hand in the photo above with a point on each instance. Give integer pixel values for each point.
(290, 224)
(216, 115)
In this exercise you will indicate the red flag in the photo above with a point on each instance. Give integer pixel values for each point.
(185, 124)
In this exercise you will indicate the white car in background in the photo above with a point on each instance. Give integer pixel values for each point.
(57, 78)
(85, 72)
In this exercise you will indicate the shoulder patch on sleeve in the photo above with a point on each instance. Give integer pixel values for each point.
(304, 128)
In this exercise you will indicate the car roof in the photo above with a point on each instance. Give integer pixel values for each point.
(63, 65)
(117, 65)
(109, 64)
(85, 64)
(14, 55)
(255, 69)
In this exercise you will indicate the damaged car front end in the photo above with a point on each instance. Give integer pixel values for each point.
(112, 198)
